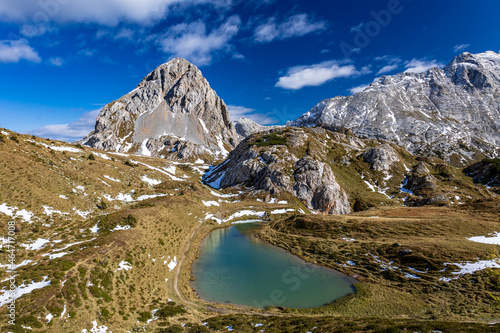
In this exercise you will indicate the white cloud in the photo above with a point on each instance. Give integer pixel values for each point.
(70, 132)
(192, 42)
(295, 26)
(358, 27)
(392, 63)
(125, 33)
(236, 112)
(421, 65)
(315, 75)
(461, 47)
(56, 61)
(358, 89)
(17, 50)
(32, 30)
(108, 12)
(387, 69)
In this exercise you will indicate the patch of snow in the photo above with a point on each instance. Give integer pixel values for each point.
(55, 256)
(49, 317)
(112, 179)
(96, 329)
(171, 169)
(223, 195)
(105, 183)
(47, 210)
(411, 276)
(282, 211)
(471, 267)
(25, 215)
(216, 183)
(203, 125)
(120, 154)
(61, 148)
(403, 189)
(15, 267)
(64, 197)
(199, 161)
(150, 196)
(80, 187)
(103, 156)
(23, 289)
(119, 227)
(348, 239)
(223, 150)
(36, 245)
(82, 213)
(124, 265)
(124, 197)
(246, 221)
(72, 244)
(150, 181)
(494, 239)
(144, 148)
(172, 264)
(159, 170)
(350, 262)
(95, 228)
(210, 203)
(9, 211)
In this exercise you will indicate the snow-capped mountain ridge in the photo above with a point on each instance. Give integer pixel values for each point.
(453, 113)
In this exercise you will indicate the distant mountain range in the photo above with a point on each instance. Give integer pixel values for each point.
(452, 113)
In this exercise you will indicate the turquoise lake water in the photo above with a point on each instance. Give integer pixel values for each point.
(237, 268)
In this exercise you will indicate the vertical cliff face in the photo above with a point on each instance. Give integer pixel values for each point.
(452, 113)
(173, 113)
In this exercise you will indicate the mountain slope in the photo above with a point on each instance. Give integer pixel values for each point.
(173, 113)
(452, 113)
(336, 173)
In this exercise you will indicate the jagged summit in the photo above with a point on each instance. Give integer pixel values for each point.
(173, 113)
(452, 113)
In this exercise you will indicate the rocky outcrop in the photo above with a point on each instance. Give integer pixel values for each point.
(173, 113)
(336, 173)
(381, 158)
(452, 113)
(246, 127)
(260, 165)
(486, 172)
(316, 186)
(423, 186)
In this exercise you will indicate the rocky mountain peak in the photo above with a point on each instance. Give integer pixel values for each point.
(168, 115)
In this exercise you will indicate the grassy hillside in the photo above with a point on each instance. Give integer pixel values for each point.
(104, 242)
(408, 260)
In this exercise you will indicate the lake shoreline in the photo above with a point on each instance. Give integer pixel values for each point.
(333, 282)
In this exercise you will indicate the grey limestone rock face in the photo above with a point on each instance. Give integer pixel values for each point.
(316, 186)
(275, 169)
(451, 113)
(381, 158)
(173, 113)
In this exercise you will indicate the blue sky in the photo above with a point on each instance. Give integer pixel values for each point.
(270, 60)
